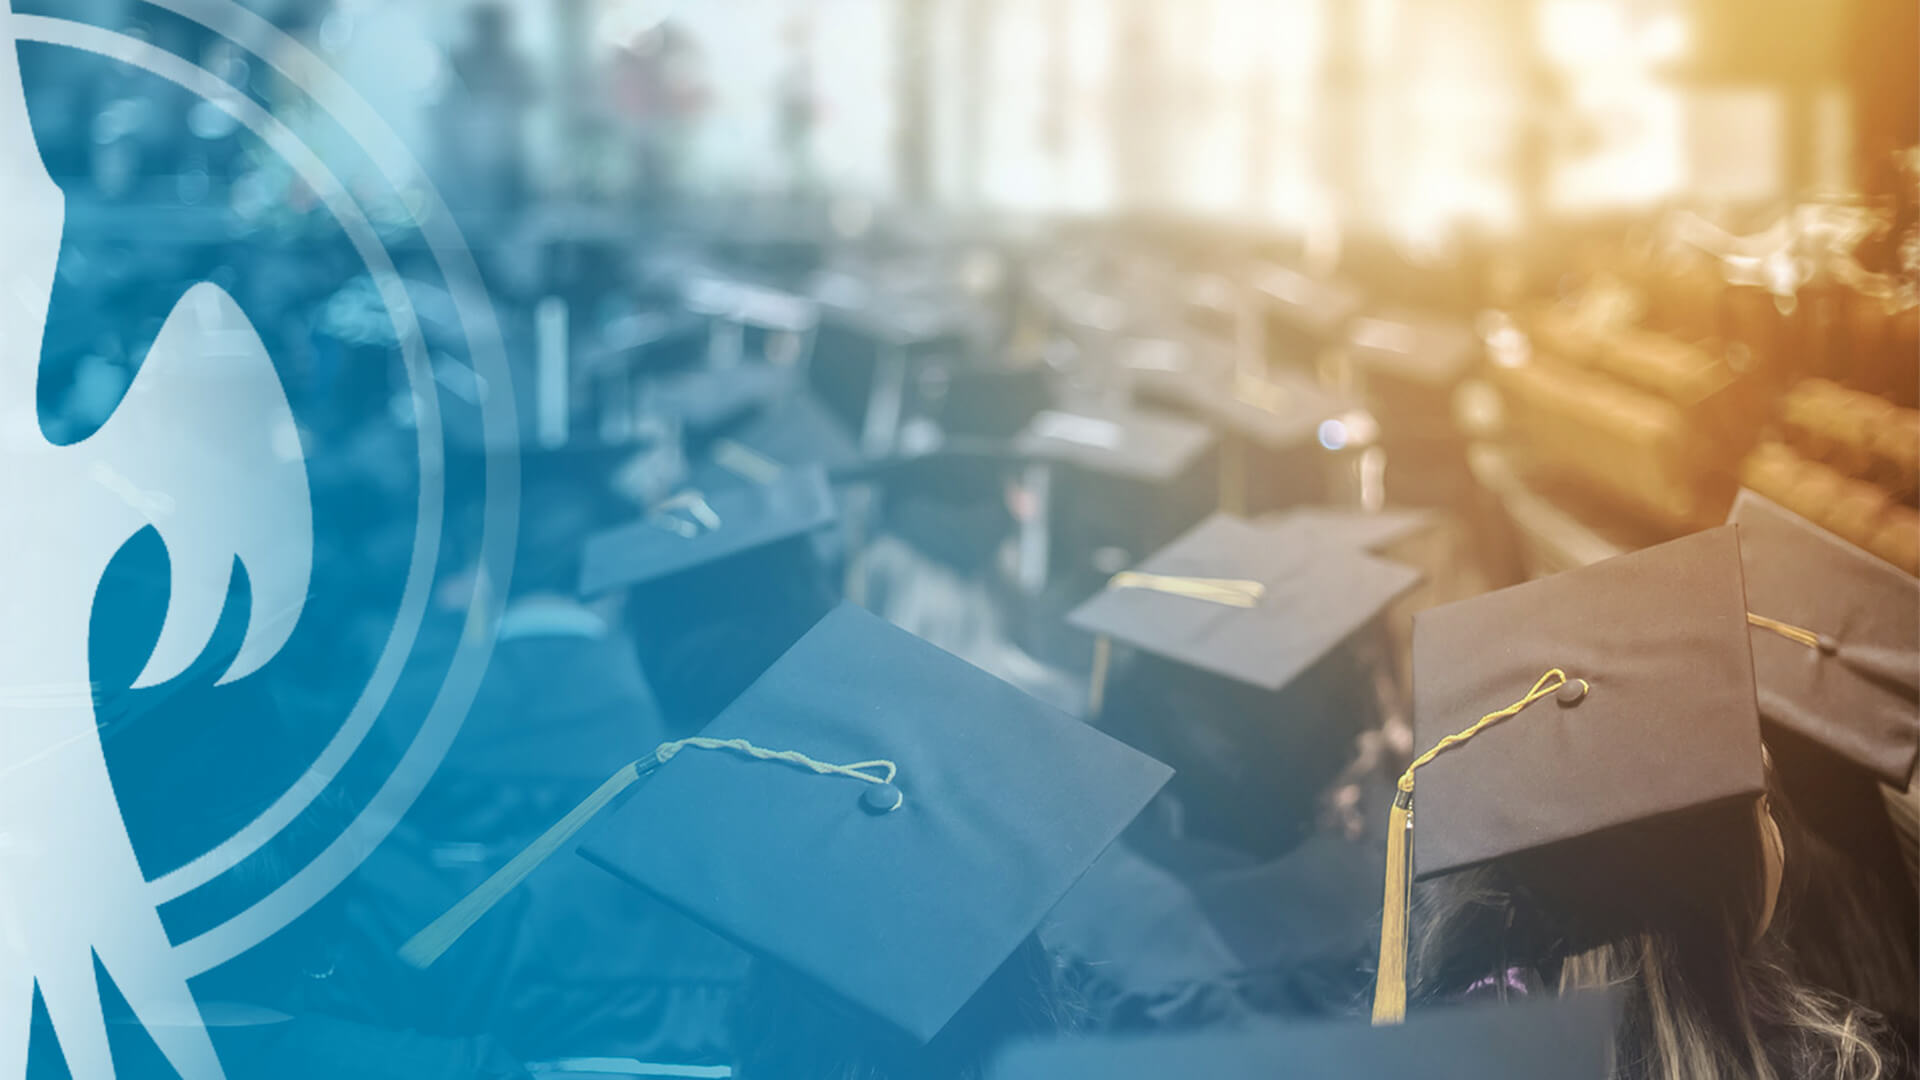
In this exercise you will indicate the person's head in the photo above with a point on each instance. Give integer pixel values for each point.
(784, 1028)
(1618, 824)
(1712, 990)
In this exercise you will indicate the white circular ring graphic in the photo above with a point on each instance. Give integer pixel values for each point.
(429, 745)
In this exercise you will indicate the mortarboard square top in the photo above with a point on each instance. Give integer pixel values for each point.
(1567, 1038)
(1855, 687)
(1313, 596)
(711, 527)
(1667, 725)
(1118, 442)
(1003, 803)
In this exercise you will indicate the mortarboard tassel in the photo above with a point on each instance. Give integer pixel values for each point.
(1231, 592)
(431, 943)
(1390, 985)
(1888, 667)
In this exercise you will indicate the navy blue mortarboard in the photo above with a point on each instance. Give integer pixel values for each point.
(696, 529)
(1252, 603)
(1246, 672)
(873, 814)
(1117, 442)
(1595, 736)
(1836, 639)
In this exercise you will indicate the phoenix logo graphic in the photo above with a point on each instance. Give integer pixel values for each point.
(203, 449)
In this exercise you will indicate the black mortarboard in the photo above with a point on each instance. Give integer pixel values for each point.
(695, 529)
(1566, 1038)
(1242, 626)
(721, 582)
(1836, 639)
(1310, 598)
(870, 346)
(873, 814)
(986, 399)
(1005, 803)
(1595, 734)
(1278, 430)
(1126, 443)
(1132, 479)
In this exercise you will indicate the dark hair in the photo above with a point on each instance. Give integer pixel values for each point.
(1705, 997)
(786, 1028)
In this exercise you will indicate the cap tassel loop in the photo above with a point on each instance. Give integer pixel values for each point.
(431, 943)
(1789, 631)
(1228, 592)
(1890, 669)
(1390, 986)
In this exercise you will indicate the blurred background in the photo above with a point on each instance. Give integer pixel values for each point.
(1735, 179)
(1024, 289)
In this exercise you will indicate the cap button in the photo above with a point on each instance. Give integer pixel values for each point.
(882, 799)
(1827, 645)
(1571, 692)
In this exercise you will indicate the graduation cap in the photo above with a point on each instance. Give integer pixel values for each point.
(1278, 429)
(1836, 640)
(1128, 478)
(1244, 625)
(1119, 442)
(719, 583)
(1564, 1038)
(873, 814)
(696, 529)
(1595, 736)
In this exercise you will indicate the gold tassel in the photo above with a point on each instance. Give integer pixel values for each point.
(1787, 630)
(1390, 985)
(1390, 988)
(431, 943)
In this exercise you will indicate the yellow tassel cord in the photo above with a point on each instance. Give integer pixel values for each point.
(1786, 630)
(1230, 592)
(431, 943)
(1390, 987)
